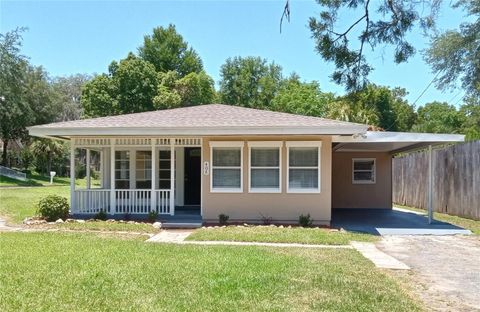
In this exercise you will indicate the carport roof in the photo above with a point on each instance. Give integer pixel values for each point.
(393, 142)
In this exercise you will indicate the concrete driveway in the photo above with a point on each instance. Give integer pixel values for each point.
(445, 271)
(391, 222)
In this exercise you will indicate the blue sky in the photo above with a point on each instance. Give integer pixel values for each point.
(68, 37)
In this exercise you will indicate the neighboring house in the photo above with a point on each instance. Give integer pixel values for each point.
(246, 163)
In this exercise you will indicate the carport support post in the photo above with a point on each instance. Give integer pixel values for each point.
(430, 185)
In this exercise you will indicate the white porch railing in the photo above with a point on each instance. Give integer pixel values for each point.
(92, 201)
(128, 201)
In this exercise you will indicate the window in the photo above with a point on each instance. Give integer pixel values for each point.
(303, 172)
(265, 160)
(164, 169)
(143, 169)
(226, 159)
(363, 171)
(122, 169)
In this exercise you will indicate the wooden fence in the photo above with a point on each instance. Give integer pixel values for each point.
(456, 180)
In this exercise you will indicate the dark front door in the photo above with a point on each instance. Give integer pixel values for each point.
(193, 175)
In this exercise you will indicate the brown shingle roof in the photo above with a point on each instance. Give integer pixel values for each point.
(205, 117)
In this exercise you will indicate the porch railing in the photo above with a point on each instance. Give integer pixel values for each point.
(92, 201)
(136, 201)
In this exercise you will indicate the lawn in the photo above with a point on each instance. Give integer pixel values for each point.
(81, 272)
(104, 226)
(36, 179)
(272, 234)
(465, 223)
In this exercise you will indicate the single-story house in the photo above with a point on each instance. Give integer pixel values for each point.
(246, 163)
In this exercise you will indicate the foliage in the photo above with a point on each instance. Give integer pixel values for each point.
(455, 54)
(53, 207)
(471, 125)
(101, 215)
(396, 19)
(305, 220)
(249, 82)
(303, 98)
(193, 89)
(223, 219)
(438, 117)
(48, 151)
(167, 51)
(152, 216)
(68, 92)
(375, 105)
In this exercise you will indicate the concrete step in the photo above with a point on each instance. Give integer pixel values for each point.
(181, 225)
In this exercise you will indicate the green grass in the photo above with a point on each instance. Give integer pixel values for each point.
(279, 235)
(36, 179)
(80, 272)
(18, 203)
(465, 223)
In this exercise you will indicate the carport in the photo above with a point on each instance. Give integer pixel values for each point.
(366, 205)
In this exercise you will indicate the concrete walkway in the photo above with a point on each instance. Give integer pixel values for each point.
(178, 237)
(378, 257)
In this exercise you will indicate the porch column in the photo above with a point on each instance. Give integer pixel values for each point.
(172, 177)
(430, 185)
(153, 195)
(72, 177)
(113, 203)
(102, 175)
(88, 169)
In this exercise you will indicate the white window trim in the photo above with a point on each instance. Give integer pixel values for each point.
(265, 144)
(374, 171)
(239, 144)
(317, 144)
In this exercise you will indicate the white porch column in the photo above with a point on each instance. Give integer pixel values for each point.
(153, 197)
(172, 177)
(430, 185)
(88, 169)
(102, 175)
(113, 204)
(72, 177)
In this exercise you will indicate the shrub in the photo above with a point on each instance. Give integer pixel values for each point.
(223, 219)
(152, 216)
(305, 220)
(101, 215)
(53, 207)
(266, 219)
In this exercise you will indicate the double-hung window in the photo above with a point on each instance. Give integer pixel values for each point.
(227, 171)
(122, 169)
(303, 172)
(265, 162)
(363, 170)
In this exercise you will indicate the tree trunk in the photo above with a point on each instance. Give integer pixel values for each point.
(49, 163)
(4, 154)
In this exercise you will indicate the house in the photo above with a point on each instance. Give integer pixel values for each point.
(246, 163)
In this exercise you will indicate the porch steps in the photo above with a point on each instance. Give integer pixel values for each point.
(181, 225)
(181, 220)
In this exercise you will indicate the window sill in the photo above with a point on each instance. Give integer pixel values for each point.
(226, 191)
(303, 191)
(265, 191)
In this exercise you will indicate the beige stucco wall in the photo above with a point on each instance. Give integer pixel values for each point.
(345, 194)
(282, 207)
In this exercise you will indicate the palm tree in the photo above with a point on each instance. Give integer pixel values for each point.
(47, 148)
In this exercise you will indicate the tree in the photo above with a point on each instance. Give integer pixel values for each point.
(249, 81)
(439, 117)
(167, 51)
(455, 54)
(376, 106)
(195, 89)
(471, 124)
(129, 87)
(14, 109)
(46, 151)
(68, 93)
(390, 27)
(303, 98)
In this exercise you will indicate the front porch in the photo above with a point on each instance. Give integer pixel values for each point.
(139, 175)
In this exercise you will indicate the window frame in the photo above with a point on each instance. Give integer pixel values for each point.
(374, 171)
(318, 145)
(226, 144)
(266, 145)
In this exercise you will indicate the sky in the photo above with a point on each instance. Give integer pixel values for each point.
(69, 37)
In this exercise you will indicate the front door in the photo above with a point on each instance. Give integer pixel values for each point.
(193, 175)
